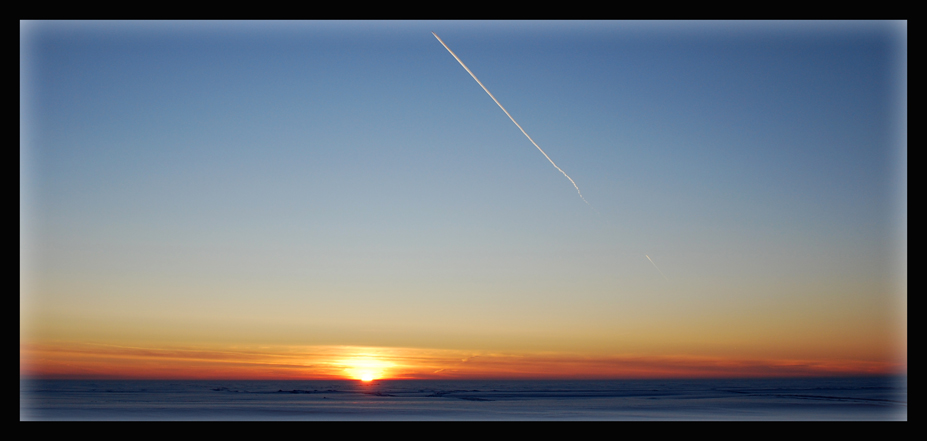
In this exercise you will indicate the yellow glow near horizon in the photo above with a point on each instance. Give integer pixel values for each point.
(96, 361)
(366, 367)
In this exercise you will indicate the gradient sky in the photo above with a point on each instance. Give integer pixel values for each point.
(287, 191)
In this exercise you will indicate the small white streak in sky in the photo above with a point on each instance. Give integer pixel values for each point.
(655, 266)
(513, 119)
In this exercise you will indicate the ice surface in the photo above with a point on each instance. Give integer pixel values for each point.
(870, 398)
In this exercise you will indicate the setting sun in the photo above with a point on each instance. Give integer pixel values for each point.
(366, 367)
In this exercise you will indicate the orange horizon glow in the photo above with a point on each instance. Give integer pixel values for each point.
(97, 361)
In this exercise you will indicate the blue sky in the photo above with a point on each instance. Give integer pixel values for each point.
(348, 182)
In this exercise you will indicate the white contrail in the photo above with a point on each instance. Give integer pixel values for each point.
(655, 266)
(510, 117)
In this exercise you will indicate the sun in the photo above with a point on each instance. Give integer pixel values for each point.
(366, 367)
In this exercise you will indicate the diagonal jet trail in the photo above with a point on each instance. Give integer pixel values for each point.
(655, 266)
(513, 120)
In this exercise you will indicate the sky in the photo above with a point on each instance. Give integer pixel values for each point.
(338, 199)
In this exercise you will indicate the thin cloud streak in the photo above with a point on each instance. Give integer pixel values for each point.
(655, 266)
(513, 119)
